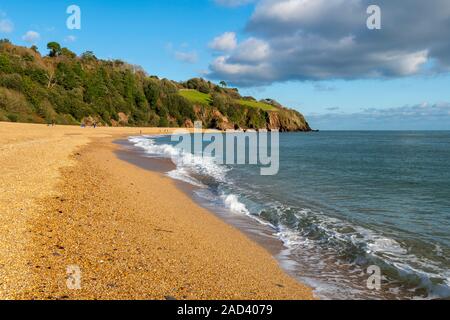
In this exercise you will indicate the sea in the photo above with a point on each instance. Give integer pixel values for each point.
(358, 214)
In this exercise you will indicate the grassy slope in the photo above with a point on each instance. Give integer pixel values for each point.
(196, 96)
(256, 104)
(203, 98)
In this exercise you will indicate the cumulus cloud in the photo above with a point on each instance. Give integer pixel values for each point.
(245, 58)
(328, 39)
(31, 37)
(6, 25)
(247, 61)
(251, 50)
(323, 87)
(224, 42)
(187, 57)
(182, 53)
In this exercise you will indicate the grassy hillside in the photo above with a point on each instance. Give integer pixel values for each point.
(256, 104)
(196, 96)
(65, 88)
(206, 99)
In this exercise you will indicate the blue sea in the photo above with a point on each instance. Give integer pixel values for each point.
(341, 202)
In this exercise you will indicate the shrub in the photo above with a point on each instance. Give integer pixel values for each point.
(12, 117)
(5, 63)
(12, 81)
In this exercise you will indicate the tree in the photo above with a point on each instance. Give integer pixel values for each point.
(88, 55)
(199, 85)
(34, 48)
(67, 53)
(55, 49)
(223, 84)
(5, 41)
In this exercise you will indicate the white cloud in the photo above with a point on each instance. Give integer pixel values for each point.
(247, 59)
(252, 50)
(322, 87)
(248, 72)
(403, 63)
(188, 57)
(6, 25)
(424, 116)
(181, 53)
(70, 38)
(224, 42)
(328, 39)
(31, 37)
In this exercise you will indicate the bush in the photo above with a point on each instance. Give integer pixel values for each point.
(221, 102)
(12, 117)
(199, 85)
(12, 81)
(45, 111)
(163, 122)
(5, 63)
(3, 116)
(14, 102)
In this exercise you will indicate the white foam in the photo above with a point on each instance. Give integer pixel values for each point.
(182, 175)
(187, 164)
(375, 245)
(232, 202)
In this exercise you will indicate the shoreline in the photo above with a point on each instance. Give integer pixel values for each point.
(254, 230)
(132, 232)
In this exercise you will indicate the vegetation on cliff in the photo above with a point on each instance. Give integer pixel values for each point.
(64, 88)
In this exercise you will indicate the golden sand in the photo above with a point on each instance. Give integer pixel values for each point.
(67, 200)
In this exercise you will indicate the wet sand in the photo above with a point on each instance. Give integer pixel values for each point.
(68, 200)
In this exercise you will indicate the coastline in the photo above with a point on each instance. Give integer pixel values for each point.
(131, 231)
(261, 234)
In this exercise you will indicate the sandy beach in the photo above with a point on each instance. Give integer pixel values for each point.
(66, 200)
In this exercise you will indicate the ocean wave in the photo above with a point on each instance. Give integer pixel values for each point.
(302, 228)
(187, 164)
(232, 202)
(364, 247)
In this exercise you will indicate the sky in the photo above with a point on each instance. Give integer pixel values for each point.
(316, 56)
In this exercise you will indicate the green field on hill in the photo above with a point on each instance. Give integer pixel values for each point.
(206, 99)
(196, 96)
(256, 104)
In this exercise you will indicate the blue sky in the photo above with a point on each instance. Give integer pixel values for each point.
(297, 56)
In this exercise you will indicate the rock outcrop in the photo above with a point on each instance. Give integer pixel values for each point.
(287, 121)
